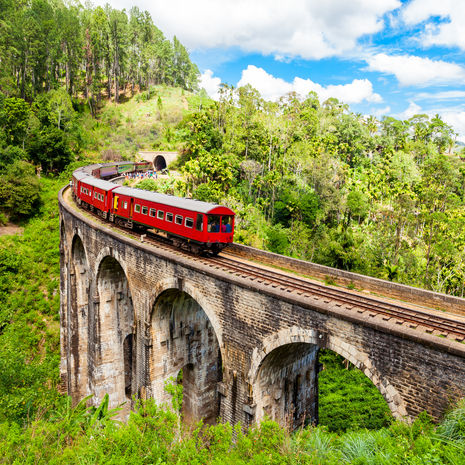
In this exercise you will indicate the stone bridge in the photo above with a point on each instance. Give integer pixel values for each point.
(133, 315)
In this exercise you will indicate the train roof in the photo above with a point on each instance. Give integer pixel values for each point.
(79, 174)
(99, 183)
(172, 201)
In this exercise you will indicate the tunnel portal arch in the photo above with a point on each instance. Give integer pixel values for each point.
(159, 163)
(183, 338)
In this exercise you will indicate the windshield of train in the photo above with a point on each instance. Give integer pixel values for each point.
(213, 223)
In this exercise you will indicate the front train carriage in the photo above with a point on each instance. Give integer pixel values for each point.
(197, 225)
(142, 166)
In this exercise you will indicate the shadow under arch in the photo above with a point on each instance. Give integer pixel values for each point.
(183, 338)
(78, 321)
(284, 376)
(159, 163)
(113, 336)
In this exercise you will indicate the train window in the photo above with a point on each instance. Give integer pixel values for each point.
(178, 219)
(145, 210)
(152, 212)
(169, 217)
(226, 223)
(160, 214)
(125, 205)
(95, 195)
(189, 223)
(199, 222)
(213, 223)
(137, 208)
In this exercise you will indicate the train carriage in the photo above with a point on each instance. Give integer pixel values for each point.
(143, 166)
(78, 175)
(181, 219)
(97, 193)
(125, 167)
(186, 222)
(107, 171)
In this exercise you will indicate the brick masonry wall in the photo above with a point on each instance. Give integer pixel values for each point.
(256, 328)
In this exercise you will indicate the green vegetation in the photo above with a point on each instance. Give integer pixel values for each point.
(314, 181)
(93, 52)
(155, 435)
(29, 312)
(347, 398)
(308, 179)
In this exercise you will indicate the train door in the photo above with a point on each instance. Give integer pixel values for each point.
(131, 208)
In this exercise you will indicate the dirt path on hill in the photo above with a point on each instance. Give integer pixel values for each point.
(10, 229)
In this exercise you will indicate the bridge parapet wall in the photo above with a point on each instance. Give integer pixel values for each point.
(415, 295)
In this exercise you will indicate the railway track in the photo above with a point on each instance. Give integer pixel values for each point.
(422, 320)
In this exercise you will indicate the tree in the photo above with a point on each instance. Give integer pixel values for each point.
(14, 120)
(19, 190)
(49, 148)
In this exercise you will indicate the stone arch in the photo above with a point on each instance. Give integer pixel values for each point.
(183, 338)
(283, 375)
(63, 238)
(78, 320)
(293, 352)
(363, 362)
(192, 290)
(114, 359)
(109, 252)
(159, 163)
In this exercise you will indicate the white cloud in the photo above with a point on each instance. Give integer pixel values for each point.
(457, 120)
(306, 28)
(210, 83)
(445, 95)
(271, 88)
(412, 110)
(414, 70)
(449, 32)
(380, 112)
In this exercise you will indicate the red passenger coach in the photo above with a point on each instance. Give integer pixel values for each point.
(76, 182)
(97, 193)
(192, 224)
(202, 225)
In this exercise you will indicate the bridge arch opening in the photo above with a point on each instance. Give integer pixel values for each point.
(78, 320)
(183, 338)
(286, 370)
(347, 398)
(285, 388)
(114, 315)
(159, 163)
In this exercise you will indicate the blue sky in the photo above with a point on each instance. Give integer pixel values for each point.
(382, 57)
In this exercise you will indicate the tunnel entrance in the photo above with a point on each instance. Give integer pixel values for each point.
(286, 385)
(159, 163)
(184, 339)
(114, 360)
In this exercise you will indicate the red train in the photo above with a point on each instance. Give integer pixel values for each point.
(192, 224)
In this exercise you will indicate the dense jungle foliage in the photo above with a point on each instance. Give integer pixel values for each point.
(318, 182)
